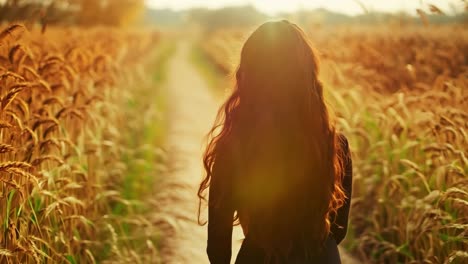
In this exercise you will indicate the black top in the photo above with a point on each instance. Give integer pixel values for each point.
(220, 218)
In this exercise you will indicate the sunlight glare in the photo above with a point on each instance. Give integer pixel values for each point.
(351, 7)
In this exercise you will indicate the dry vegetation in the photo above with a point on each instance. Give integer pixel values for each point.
(401, 95)
(63, 150)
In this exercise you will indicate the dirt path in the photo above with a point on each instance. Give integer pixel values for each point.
(192, 108)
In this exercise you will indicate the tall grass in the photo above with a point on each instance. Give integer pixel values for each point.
(400, 95)
(62, 130)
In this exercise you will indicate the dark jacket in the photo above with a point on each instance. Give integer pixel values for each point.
(220, 226)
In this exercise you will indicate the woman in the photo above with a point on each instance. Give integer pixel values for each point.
(275, 163)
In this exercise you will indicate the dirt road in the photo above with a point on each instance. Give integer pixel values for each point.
(192, 110)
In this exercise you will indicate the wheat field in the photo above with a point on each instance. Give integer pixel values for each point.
(80, 129)
(61, 166)
(400, 94)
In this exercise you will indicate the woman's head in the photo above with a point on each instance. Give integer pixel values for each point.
(276, 62)
(275, 143)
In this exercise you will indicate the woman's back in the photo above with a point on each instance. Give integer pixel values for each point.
(220, 222)
(277, 160)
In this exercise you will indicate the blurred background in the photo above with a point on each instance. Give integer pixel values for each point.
(105, 103)
(228, 12)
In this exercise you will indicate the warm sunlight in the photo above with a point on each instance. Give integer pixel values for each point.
(233, 131)
(351, 7)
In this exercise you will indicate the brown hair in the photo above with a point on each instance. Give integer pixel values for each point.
(275, 135)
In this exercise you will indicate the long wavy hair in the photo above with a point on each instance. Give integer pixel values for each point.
(277, 146)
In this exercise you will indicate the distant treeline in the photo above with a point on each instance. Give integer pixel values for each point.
(125, 12)
(248, 15)
(82, 12)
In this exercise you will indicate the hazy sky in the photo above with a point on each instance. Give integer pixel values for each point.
(345, 6)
